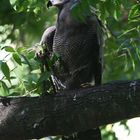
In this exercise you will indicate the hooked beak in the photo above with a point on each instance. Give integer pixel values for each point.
(55, 2)
(49, 4)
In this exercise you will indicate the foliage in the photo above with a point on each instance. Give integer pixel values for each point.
(23, 21)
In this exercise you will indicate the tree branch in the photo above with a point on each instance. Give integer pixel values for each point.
(69, 111)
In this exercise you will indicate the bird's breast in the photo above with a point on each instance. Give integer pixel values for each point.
(72, 46)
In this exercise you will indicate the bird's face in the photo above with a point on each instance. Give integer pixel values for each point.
(56, 2)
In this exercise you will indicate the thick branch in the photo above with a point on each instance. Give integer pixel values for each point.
(69, 111)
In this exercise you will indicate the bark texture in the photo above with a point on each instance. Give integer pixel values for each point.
(69, 111)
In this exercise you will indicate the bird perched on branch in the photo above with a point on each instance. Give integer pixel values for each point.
(79, 45)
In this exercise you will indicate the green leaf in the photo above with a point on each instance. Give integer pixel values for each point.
(134, 12)
(44, 77)
(4, 90)
(6, 71)
(1, 62)
(12, 2)
(20, 49)
(9, 49)
(27, 62)
(17, 58)
(30, 55)
(80, 10)
(54, 58)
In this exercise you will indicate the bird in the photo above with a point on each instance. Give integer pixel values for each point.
(79, 44)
